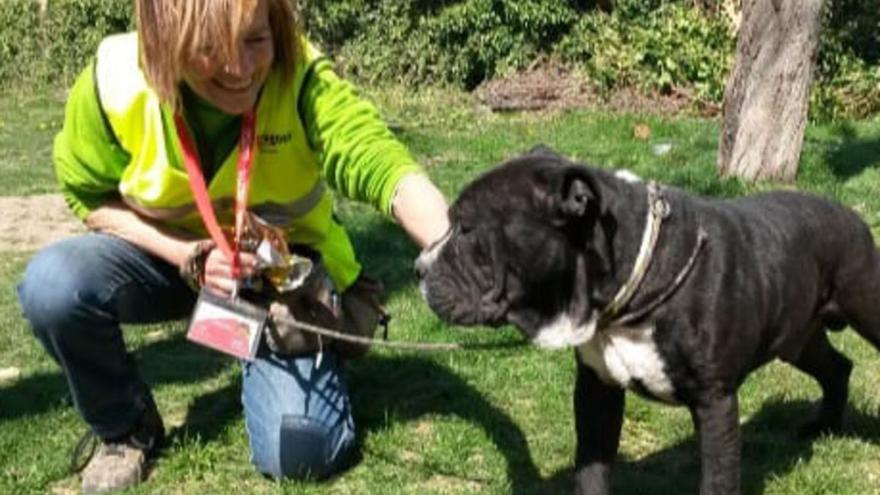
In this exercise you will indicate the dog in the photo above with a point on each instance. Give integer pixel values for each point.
(675, 297)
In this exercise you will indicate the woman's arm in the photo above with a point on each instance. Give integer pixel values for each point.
(420, 208)
(363, 160)
(116, 219)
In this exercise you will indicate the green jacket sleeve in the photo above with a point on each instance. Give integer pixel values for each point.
(360, 157)
(88, 160)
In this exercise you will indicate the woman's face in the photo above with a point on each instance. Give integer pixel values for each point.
(234, 86)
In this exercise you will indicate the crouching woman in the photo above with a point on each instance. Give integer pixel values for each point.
(208, 72)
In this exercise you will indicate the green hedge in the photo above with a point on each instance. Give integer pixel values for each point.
(53, 47)
(20, 40)
(661, 49)
(849, 61)
(660, 45)
(457, 42)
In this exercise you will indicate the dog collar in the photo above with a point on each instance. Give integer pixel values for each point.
(658, 211)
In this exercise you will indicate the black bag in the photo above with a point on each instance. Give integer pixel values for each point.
(358, 311)
(314, 300)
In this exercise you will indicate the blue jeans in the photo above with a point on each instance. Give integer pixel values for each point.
(77, 292)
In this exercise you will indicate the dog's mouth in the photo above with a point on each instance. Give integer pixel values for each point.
(446, 301)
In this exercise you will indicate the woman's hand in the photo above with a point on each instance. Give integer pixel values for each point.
(218, 271)
(200, 263)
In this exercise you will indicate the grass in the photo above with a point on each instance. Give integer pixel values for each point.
(28, 124)
(488, 422)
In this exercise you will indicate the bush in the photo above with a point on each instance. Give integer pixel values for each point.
(462, 43)
(848, 72)
(654, 44)
(335, 23)
(54, 47)
(657, 45)
(75, 27)
(662, 49)
(20, 41)
(664, 45)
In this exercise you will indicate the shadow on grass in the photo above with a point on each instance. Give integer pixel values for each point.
(385, 251)
(406, 388)
(854, 154)
(771, 449)
(34, 395)
(171, 361)
(210, 414)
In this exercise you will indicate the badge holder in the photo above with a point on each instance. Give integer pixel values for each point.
(229, 325)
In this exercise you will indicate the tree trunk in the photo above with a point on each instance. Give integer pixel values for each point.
(768, 93)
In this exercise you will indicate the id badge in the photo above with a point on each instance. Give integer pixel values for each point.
(232, 326)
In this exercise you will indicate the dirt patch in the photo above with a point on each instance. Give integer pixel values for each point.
(30, 222)
(546, 86)
(550, 86)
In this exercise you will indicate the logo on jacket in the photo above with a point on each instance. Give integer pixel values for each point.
(269, 143)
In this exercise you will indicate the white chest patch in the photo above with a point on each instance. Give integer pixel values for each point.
(563, 333)
(623, 356)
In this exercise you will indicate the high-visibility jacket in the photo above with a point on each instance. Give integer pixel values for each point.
(287, 178)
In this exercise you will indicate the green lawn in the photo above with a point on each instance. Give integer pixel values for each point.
(491, 421)
(28, 123)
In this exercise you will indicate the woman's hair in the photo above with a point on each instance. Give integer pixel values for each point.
(174, 31)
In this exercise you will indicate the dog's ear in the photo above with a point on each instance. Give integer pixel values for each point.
(575, 198)
(578, 194)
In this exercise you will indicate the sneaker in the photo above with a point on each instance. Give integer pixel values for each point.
(120, 463)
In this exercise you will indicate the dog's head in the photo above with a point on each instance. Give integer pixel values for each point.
(515, 251)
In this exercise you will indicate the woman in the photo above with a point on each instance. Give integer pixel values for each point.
(119, 161)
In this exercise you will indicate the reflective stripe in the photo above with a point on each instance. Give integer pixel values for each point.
(273, 213)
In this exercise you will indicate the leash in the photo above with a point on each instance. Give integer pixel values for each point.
(396, 345)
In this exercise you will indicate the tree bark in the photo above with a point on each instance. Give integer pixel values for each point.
(768, 93)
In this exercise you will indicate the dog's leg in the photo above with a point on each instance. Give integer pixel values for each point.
(598, 410)
(716, 418)
(858, 292)
(831, 369)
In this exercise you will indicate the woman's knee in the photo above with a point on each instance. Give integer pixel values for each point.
(303, 448)
(52, 285)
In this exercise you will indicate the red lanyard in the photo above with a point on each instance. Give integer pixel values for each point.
(200, 190)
